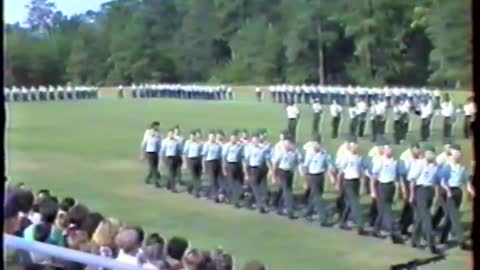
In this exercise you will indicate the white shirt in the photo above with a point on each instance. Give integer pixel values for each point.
(292, 112)
(316, 107)
(335, 109)
(469, 109)
(257, 90)
(380, 108)
(447, 109)
(362, 107)
(426, 110)
(351, 166)
(352, 112)
(442, 159)
(127, 258)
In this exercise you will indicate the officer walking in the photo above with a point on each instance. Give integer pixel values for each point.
(447, 111)
(171, 154)
(422, 197)
(317, 163)
(192, 155)
(211, 157)
(151, 147)
(232, 168)
(317, 114)
(354, 118)
(292, 114)
(426, 113)
(336, 113)
(361, 110)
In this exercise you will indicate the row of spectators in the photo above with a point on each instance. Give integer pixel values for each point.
(42, 217)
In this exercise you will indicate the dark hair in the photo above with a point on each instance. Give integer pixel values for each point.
(254, 265)
(67, 203)
(90, 223)
(176, 247)
(41, 232)
(154, 238)
(45, 192)
(54, 198)
(10, 208)
(140, 233)
(155, 124)
(48, 211)
(25, 200)
(224, 262)
(76, 215)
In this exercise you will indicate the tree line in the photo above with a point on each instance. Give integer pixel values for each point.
(361, 42)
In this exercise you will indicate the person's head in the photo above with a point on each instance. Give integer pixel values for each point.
(192, 260)
(198, 134)
(447, 148)
(254, 139)
(446, 97)
(388, 152)
(170, 134)
(76, 215)
(429, 153)
(48, 211)
(11, 222)
(155, 125)
(127, 241)
(212, 136)
(154, 252)
(42, 194)
(104, 234)
(67, 203)
(234, 137)
(281, 136)
(41, 232)
(176, 130)
(140, 235)
(154, 238)
(91, 222)
(60, 221)
(254, 265)
(353, 147)
(415, 148)
(192, 135)
(224, 261)
(176, 247)
(77, 238)
(456, 153)
(25, 200)
(220, 135)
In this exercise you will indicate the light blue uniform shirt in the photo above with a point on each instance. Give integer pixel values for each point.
(233, 152)
(212, 151)
(256, 156)
(171, 148)
(152, 144)
(318, 162)
(287, 160)
(352, 166)
(192, 149)
(386, 170)
(430, 174)
(455, 175)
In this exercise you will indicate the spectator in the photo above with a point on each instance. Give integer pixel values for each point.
(43, 194)
(11, 210)
(176, 248)
(25, 203)
(192, 260)
(76, 216)
(127, 243)
(104, 238)
(154, 257)
(48, 214)
(224, 262)
(34, 216)
(67, 203)
(254, 265)
(91, 223)
(41, 233)
(154, 238)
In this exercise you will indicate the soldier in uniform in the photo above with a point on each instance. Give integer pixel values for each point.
(447, 111)
(24, 94)
(317, 114)
(171, 152)
(232, 168)
(6, 92)
(352, 112)
(212, 166)
(120, 92)
(192, 157)
(336, 114)
(150, 148)
(469, 110)
(361, 110)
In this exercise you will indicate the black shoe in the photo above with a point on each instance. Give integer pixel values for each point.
(148, 182)
(291, 216)
(344, 227)
(158, 185)
(434, 250)
(324, 224)
(377, 235)
(465, 247)
(397, 239)
(262, 210)
(237, 205)
(362, 232)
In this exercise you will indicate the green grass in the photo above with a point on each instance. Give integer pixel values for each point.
(90, 150)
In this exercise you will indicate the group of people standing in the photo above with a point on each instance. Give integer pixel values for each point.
(240, 169)
(50, 93)
(179, 91)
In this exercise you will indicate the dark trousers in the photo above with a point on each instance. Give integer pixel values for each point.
(397, 131)
(440, 209)
(374, 127)
(315, 198)
(352, 190)
(353, 126)
(286, 180)
(425, 129)
(213, 170)
(235, 180)
(453, 216)
(467, 132)
(173, 166)
(153, 173)
(335, 125)
(447, 127)
(361, 124)
(423, 219)
(195, 168)
(316, 122)
(258, 184)
(404, 126)
(259, 96)
(292, 128)
(406, 216)
(385, 194)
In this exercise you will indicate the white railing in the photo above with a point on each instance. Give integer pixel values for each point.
(13, 242)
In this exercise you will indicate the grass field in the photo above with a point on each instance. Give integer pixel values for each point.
(90, 150)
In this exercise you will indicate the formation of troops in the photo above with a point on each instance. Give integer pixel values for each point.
(366, 110)
(179, 91)
(49, 93)
(241, 169)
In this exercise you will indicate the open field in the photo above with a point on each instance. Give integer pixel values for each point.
(90, 149)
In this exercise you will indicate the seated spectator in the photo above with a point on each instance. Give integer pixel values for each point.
(192, 260)
(43, 194)
(41, 233)
(104, 239)
(25, 204)
(66, 204)
(34, 215)
(76, 216)
(127, 243)
(154, 257)
(154, 238)
(48, 214)
(176, 248)
(254, 265)
(91, 223)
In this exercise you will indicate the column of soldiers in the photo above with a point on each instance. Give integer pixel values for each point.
(178, 91)
(239, 169)
(50, 93)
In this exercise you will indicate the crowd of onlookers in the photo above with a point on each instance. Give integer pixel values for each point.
(67, 223)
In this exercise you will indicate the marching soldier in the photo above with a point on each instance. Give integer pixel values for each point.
(211, 158)
(42, 95)
(422, 197)
(230, 93)
(171, 154)
(284, 165)
(33, 94)
(192, 155)
(133, 89)
(279, 147)
(361, 110)
(469, 110)
(447, 111)
(440, 209)
(317, 114)
(232, 168)
(258, 93)
(178, 136)
(150, 147)
(317, 163)
(352, 112)
(426, 112)
(292, 114)
(336, 113)
(24, 94)
(397, 124)
(385, 173)
(380, 110)
(120, 92)
(15, 94)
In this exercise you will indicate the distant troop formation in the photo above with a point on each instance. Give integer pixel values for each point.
(179, 91)
(248, 171)
(49, 93)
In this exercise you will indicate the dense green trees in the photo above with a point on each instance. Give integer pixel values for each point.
(366, 42)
